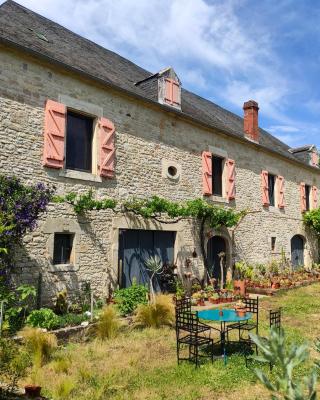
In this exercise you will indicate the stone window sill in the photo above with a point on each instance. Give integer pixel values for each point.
(218, 199)
(62, 268)
(80, 175)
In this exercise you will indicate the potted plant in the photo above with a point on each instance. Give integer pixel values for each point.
(240, 308)
(214, 298)
(239, 281)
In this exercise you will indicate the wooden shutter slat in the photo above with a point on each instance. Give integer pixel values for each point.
(265, 188)
(54, 134)
(280, 186)
(206, 173)
(168, 98)
(231, 183)
(303, 201)
(314, 197)
(107, 148)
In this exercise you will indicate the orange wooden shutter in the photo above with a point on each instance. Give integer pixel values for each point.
(175, 93)
(54, 134)
(107, 148)
(172, 95)
(231, 184)
(314, 197)
(303, 202)
(265, 188)
(206, 173)
(280, 187)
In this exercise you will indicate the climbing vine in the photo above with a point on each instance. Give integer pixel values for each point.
(312, 219)
(162, 210)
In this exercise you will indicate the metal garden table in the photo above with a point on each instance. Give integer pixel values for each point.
(227, 316)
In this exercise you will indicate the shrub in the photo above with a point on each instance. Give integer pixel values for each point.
(286, 385)
(13, 363)
(71, 319)
(39, 344)
(43, 318)
(128, 299)
(108, 324)
(156, 314)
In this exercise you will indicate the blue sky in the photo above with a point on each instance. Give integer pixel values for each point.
(227, 51)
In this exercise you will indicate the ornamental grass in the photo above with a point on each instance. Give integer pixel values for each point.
(156, 314)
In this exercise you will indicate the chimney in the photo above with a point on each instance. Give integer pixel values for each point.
(250, 120)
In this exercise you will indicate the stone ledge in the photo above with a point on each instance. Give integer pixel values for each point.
(80, 175)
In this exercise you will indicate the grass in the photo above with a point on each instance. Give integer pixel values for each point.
(141, 363)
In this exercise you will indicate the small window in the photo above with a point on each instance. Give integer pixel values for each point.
(271, 185)
(273, 243)
(217, 171)
(79, 142)
(308, 191)
(172, 171)
(63, 243)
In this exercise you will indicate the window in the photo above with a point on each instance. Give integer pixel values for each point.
(217, 171)
(273, 243)
(63, 243)
(308, 191)
(271, 186)
(79, 142)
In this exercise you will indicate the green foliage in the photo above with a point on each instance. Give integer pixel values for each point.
(180, 291)
(43, 318)
(64, 389)
(156, 314)
(85, 202)
(108, 324)
(71, 319)
(17, 303)
(285, 386)
(40, 345)
(61, 306)
(241, 269)
(14, 362)
(129, 298)
(156, 206)
(312, 219)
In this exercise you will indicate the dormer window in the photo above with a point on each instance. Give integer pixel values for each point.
(172, 92)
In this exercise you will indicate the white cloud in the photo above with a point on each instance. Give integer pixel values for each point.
(283, 128)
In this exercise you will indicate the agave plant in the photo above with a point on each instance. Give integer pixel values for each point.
(286, 386)
(154, 265)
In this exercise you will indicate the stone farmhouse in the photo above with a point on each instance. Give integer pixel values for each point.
(80, 117)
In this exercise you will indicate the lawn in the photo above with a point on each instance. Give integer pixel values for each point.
(141, 364)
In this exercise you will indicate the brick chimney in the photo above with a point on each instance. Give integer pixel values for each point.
(250, 120)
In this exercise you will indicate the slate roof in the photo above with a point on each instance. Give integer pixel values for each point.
(22, 28)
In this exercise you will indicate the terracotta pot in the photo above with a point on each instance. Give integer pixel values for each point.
(275, 285)
(200, 302)
(32, 391)
(240, 287)
(241, 312)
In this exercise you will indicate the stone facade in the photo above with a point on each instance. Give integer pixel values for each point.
(148, 139)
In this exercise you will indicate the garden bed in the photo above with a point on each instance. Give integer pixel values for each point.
(272, 291)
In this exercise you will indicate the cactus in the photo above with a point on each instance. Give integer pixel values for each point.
(285, 386)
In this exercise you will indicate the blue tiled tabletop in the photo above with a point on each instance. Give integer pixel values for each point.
(228, 316)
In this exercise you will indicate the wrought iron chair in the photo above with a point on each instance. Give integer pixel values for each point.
(190, 332)
(252, 306)
(274, 322)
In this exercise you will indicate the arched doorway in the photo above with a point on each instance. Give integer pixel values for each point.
(297, 250)
(216, 245)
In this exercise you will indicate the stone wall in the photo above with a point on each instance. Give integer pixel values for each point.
(147, 139)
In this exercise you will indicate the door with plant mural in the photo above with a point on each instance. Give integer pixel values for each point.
(135, 247)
